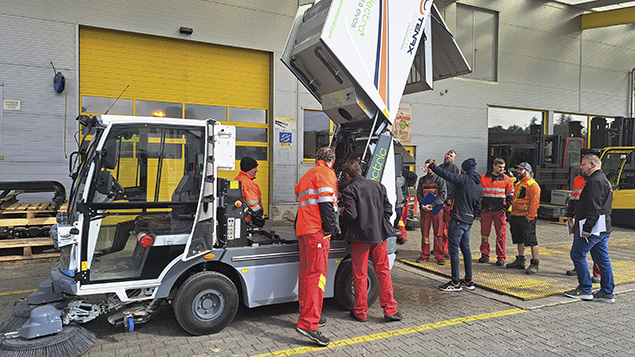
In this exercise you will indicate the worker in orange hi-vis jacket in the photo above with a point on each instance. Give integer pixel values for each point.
(317, 220)
(251, 191)
(523, 218)
(497, 196)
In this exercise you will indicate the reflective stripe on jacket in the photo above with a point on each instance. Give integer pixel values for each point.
(498, 191)
(434, 184)
(578, 185)
(251, 191)
(526, 198)
(318, 185)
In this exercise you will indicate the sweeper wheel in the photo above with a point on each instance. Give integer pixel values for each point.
(73, 340)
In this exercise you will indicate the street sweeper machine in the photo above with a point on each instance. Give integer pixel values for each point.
(149, 220)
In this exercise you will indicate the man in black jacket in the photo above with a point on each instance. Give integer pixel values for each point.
(366, 218)
(467, 202)
(448, 165)
(594, 213)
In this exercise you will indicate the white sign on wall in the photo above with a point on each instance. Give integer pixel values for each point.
(2, 123)
(11, 104)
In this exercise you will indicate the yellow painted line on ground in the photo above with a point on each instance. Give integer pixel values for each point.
(17, 292)
(400, 332)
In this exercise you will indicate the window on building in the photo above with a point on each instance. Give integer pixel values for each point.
(245, 115)
(158, 109)
(600, 132)
(512, 135)
(195, 111)
(570, 125)
(513, 126)
(477, 37)
(317, 130)
(101, 105)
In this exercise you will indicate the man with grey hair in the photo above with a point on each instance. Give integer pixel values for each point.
(594, 213)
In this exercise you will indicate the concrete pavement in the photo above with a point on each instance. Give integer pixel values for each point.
(435, 322)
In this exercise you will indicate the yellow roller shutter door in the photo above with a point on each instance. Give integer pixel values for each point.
(184, 74)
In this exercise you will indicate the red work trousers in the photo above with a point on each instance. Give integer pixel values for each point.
(314, 253)
(500, 226)
(381, 264)
(440, 245)
(401, 224)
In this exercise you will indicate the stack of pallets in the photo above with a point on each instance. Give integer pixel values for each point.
(24, 229)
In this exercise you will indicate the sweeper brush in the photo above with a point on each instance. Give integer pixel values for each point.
(20, 316)
(73, 340)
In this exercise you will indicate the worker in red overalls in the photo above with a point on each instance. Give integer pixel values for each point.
(316, 221)
(435, 185)
(497, 197)
(578, 186)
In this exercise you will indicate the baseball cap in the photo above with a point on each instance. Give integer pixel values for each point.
(524, 165)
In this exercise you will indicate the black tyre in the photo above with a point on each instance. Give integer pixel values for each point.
(344, 290)
(206, 303)
(413, 224)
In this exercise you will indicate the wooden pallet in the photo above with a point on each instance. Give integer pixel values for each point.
(27, 246)
(17, 214)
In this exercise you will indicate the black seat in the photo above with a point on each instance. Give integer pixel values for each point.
(181, 218)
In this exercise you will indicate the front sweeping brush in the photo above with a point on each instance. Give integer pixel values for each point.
(20, 315)
(73, 340)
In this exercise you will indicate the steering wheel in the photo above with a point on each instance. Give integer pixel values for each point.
(117, 191)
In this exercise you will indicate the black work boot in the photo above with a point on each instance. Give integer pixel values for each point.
(533, 267)
(519, 263)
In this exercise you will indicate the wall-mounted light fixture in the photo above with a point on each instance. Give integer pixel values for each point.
(186, 30)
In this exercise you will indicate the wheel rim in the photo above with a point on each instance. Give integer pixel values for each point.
(208, 304)
(368, 284)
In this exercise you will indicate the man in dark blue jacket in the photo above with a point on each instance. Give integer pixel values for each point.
(467, 201)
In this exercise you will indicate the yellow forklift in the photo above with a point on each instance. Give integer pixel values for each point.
(617, 138)
(618, 163)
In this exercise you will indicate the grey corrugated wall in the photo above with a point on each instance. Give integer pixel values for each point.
(545, 62)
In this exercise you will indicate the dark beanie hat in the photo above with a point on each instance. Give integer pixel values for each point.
(247, 163)
(469, 164)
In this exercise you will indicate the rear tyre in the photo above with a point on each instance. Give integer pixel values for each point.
(412, 224)
(344, 289)
(206, 303)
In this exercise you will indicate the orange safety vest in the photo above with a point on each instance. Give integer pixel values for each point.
(578, 186)
(251, 191)
(526, 198)
(319, 184)
(496, 188)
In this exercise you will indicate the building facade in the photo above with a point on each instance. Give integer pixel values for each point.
(527, 55)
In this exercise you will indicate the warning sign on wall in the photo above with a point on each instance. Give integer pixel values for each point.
(402, 126)
(285, 127)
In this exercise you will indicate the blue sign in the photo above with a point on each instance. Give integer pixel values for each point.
(286, 138)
